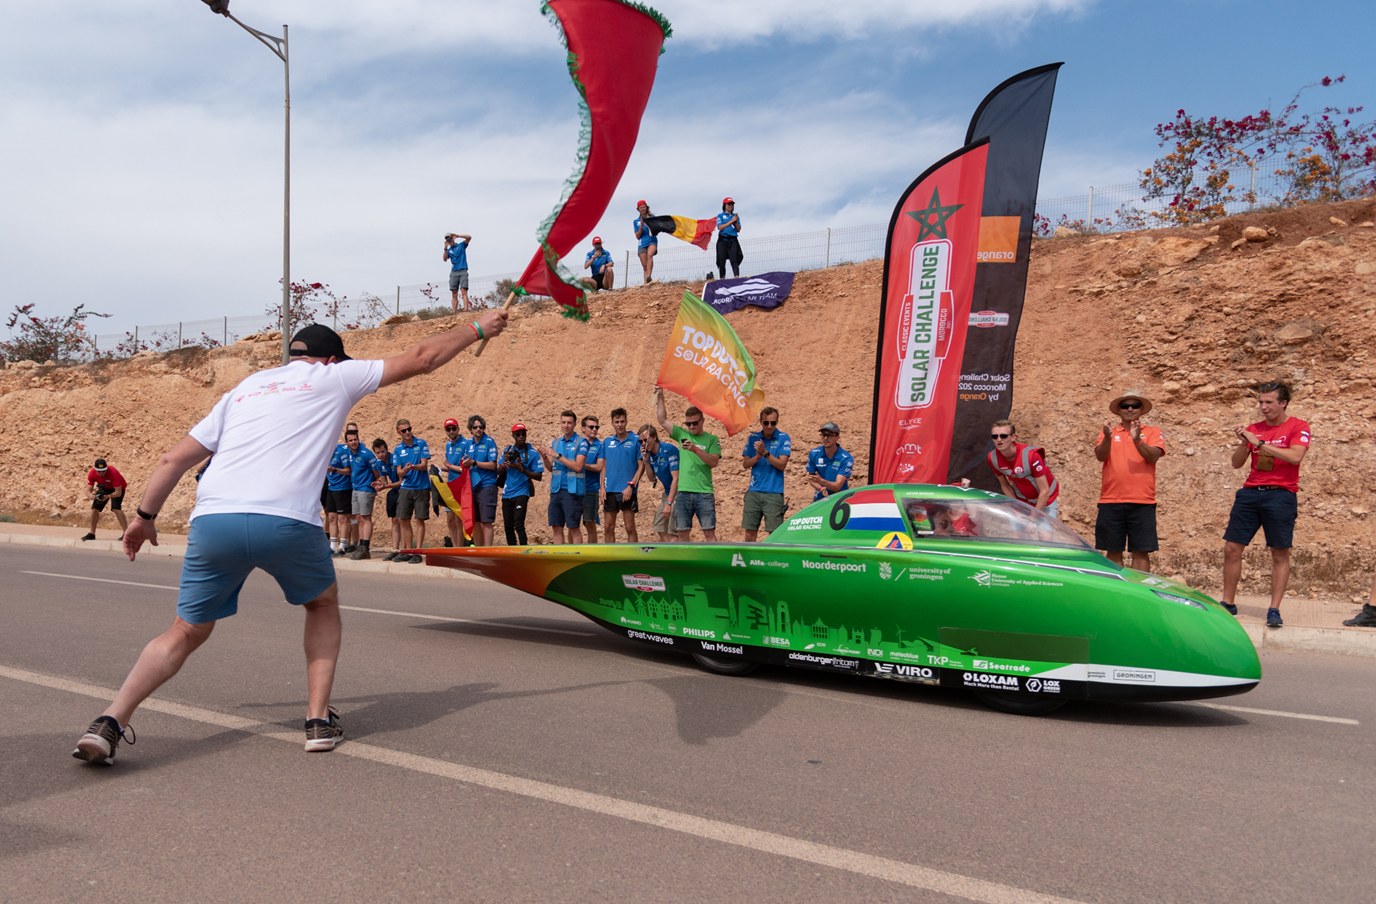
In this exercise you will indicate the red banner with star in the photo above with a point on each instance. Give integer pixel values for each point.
(929, 275)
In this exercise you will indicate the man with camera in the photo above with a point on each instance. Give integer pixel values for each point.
(105, 484)
(519, 468)
(456, 252)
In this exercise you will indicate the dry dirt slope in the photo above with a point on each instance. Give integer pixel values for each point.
(1181, 314)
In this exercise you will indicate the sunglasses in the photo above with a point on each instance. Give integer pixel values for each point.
(594, 427)
(403, 429)
(830, 433)
(1129, 404)
(769, 423)
(1000, 435)
(691, 423)
(450, 429)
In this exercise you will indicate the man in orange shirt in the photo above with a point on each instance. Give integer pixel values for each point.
(1127, 496)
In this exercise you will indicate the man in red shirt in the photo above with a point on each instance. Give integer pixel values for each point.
(1275, 446)
(105, 484)
(1127, 495)
(1021, 469)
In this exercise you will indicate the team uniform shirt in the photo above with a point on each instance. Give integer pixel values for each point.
(518, 484)
(108, 482)
(665, 464)
(648, 238)
(764, 477)
(839, 465)
(1023, 478)
(561, 478)
(340, 459)
(1290, 434)
(365, 467)
(592, 480)
(458, 256)
(599, 261)
(733, 230)
(403, 455)
(387, 468)
(1127, 475)
(482, 450)
(273, 434)
(623, 458)
(694, 476)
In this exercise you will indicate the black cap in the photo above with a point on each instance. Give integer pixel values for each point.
(320, 342)
(100, 464)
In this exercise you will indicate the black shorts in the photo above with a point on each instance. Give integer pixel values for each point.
(602, 280)
(392, 495)
(340, 502)
(1272, 509)
(1130, 523)
(485, 504)
(116, 502)
(614, 503)
(591, 512)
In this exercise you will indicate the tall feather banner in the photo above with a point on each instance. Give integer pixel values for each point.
(613, 52)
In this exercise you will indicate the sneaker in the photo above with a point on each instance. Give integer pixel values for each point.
(391, 556)
(348, 549)
(415, 559)
(323, 734)
(1228, 607)
(1273, 618)
(100, 741)
(89, 537)
(448, 542)
(360, 553)
(1364, 619)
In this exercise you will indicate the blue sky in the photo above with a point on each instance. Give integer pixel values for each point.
(142, 159)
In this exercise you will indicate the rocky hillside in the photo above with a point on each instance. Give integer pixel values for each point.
(1191, 316)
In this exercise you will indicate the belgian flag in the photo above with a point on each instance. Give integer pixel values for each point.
(694, 232)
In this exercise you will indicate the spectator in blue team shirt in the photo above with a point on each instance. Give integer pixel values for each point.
(482, 471)
(765, 456)
(455, 451)
(412, 458)
(564, 460)
(828, 465)
(662, 460)
(622, 469)
(647, 245)
(456, 252)
(388, 480)
(520, 465)
(365, 470)
(592, 478)
(599, 261)
(339, 496)
(728, 241)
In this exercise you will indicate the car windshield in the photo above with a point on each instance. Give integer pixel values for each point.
(1002, 519)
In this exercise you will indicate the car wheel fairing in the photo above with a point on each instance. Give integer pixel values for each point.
(1019, 704)
(724, 666)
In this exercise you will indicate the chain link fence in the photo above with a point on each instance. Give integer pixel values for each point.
(1108, 208)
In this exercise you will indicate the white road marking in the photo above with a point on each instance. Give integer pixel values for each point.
(78, 577)
(1277, 712)
(441, 618)
(857, 862)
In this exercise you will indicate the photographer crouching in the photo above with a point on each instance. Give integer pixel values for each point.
(105, 484)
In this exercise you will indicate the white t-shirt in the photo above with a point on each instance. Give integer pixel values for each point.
(273, 435)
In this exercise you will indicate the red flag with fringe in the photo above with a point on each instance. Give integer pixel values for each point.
(613, 51)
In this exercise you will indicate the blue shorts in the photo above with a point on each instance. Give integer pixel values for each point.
(565, 510)
(223, 550)
(1273, 509)
(704, 505)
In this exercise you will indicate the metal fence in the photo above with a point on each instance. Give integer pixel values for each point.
(1103, 209)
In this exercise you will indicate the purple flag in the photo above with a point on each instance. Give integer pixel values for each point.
(767, 290)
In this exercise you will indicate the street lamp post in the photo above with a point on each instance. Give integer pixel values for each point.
(279, 48)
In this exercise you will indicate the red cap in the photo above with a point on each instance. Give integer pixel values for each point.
(727, 200)
(518, 428)
(450, 422)
(640, 204)
(597, 240)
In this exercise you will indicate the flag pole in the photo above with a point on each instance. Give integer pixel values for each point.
(510, 300)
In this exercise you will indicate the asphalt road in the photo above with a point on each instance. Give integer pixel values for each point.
(501, 748)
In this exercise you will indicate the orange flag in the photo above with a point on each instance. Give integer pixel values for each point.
(706, 363)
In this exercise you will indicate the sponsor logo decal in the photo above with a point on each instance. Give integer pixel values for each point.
(991, 682)
(810, 521)
(737, 560)
(905, 672)
(646, 583)
(1044, 685)
(1137, 676)
(991, 666)
(722, 648)
(630, 621)
(856, 567)
(998, 240)
(833, 662)
(988, 578)
(928, 574)
(777, 641)
(987, 320)
(699, 632)
(656, 638)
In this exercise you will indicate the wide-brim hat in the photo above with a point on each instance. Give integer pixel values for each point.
(1130, 394)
